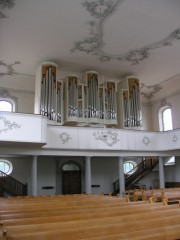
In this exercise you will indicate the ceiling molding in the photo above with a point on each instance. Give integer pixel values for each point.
(93, 44)
(6, 4)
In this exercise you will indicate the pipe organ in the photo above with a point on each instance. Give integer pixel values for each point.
(78, 102)
(110, 101)
(49, 93)
(92, 103)
(129, 101)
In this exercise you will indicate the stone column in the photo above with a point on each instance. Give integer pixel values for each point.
(88, 175)
(161, 173)
(34, 176)
(121, 177)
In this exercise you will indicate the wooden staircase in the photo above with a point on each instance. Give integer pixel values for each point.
(11, 186)
(136, 174)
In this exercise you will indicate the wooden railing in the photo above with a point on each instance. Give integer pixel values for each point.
(136, 174)
(11, 185)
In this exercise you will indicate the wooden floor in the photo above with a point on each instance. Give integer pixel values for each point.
(90, 217)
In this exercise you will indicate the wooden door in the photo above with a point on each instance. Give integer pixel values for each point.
(71, 182)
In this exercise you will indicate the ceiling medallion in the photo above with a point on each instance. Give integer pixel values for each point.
(7, 69)
(64, 137)
(110, 137)
(100, 10)
(6, 4)
(6, 125)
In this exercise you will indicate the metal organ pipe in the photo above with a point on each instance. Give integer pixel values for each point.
(48, 91)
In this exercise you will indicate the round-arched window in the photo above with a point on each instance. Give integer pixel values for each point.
(70, 167)
(6, 106)
(129, 166)
(6, 166)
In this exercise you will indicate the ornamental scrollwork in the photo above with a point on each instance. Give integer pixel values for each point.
(146, 140)
(93, 44)
(6, 4)
(8, 68)
(175, 138)
(64, 137)
(110, 137)
(6, 125)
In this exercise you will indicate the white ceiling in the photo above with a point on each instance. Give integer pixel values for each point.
(118, 37)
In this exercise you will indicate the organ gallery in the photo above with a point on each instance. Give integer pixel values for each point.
(87, 101)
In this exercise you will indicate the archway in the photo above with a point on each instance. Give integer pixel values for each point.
(71, 178)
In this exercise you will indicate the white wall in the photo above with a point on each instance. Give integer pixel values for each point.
(104, 173)
(23, 88)
(46, 175)
(170, 93)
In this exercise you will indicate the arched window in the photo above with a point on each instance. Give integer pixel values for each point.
(70, 167)
(165, 124)
(6, 106)
(165, 118)
(129, 166)
(8, 103)
(6, 166)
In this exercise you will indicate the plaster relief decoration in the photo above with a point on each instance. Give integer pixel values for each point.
(110, 137)
(146, 140)
(93, 44)
(175, 138)
(5, 4)
(149, 91)
(6, 125)
(7, 69)
(64, 137)
(5, 94)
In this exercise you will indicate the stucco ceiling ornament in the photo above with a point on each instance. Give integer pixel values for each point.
(100, 10)
(7, 69)
(64, 137)
(110, 137)
(6, 4)
(6, 125)
(146, 140)
(149, 91)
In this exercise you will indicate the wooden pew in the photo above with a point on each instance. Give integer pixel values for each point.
(84, 222)
(89, 231)
(171, 197)
(131, 214)
(169, 232)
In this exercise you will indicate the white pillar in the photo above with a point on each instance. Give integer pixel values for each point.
(34, 176)
(161, 173)
(88, 175)
(121, 177)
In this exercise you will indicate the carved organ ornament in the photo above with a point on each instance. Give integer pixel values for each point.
(75, 101)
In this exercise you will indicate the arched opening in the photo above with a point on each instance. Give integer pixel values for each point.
(71, 178)
(6, 106)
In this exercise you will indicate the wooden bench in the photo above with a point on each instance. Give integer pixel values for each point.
(127, 213)
(105, 216)
(171, 198)
(104, 228)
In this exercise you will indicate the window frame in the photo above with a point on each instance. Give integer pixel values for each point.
(161, 119)
(10, 166)
(5, 96)
(134, 166)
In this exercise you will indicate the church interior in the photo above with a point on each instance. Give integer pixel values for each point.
(90, 119)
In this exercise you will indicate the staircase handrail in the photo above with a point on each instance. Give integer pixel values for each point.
(141, 168)
(12, 185)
